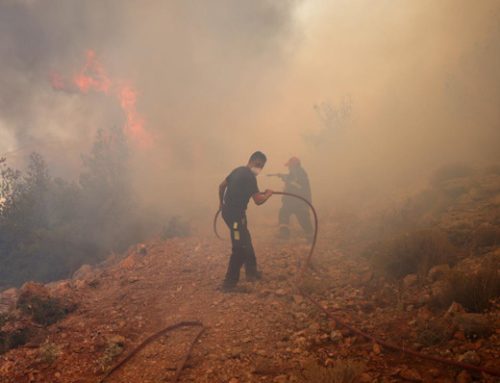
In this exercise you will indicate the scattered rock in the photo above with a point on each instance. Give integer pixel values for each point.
(455, 308)
(376, 349)
(280, 292)
(410, 280)
(336, 336)
(410, 375)
(129, 263)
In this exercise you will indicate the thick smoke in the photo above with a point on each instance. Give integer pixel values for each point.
(220, 79)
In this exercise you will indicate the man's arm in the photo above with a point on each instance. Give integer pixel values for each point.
(261, 197)
(222, 190)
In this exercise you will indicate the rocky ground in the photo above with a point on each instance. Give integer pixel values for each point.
(269, 334)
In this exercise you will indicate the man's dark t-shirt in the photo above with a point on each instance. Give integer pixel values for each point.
(241, 185)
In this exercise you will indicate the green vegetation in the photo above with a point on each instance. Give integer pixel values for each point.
(49, 227)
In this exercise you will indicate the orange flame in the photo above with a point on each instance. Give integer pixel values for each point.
(93, 77)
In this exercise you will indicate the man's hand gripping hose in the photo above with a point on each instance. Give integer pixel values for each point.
(353, 329)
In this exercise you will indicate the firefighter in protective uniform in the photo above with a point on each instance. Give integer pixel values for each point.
(296, 182)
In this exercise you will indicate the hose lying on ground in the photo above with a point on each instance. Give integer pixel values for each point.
(155, 336)
(353, 329)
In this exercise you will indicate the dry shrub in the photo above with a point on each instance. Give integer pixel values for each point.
(486, 235)
(414, 252)
(112, 350)
(48, 352)
(43, 310)
(433, 333)
(16, 338)
(344, 371)
(473, 291)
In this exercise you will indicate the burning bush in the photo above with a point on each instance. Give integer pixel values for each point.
(414, 252)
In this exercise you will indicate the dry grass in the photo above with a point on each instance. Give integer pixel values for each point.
(344, 371)
(48, 352)
(414, 252)
(112, 350)
(473, 291)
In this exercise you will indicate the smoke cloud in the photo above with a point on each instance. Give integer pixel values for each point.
(372, 96)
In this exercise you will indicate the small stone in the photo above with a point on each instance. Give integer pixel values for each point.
(410, 375)
(280, 292)
(365, 378)
(454, 308)
(235, 352)
(463, 377)
(376, 349)
(261, 352)
(336, 336)
(470, 357)
(234, 380)
(298, 299)
(315, 326)
(410, 280)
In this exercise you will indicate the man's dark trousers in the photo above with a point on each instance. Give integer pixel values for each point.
(242, 249)
(301, 211)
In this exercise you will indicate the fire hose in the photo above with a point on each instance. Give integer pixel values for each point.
(307, 296)
(346, 325)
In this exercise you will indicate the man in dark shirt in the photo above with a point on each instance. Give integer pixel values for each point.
(296, 182)
(234, 193)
